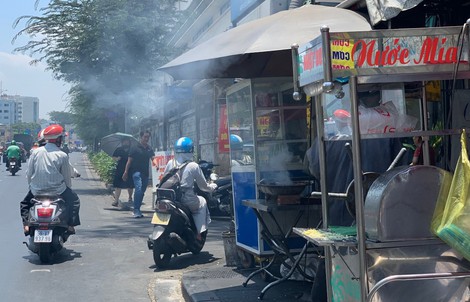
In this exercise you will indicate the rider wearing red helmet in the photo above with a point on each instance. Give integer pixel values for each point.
(49, 173)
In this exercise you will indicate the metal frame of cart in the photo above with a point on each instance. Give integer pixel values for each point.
(375, 57)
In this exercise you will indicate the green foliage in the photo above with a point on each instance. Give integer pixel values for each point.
(108, 50)
(104, 165)
(90, 124)
(20, 128)
(62, 117)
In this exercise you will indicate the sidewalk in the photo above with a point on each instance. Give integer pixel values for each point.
(147, 202)
(218, 283)
(224, 284)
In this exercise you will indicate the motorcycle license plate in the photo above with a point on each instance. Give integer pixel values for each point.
(42, 236)
(161, 218)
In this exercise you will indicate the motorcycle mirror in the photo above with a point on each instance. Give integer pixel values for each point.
(214, 177)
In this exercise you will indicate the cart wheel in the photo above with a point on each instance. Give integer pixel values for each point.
(247, 260)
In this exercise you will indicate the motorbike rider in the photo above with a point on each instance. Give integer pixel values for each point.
(239, 158)
(49, 172)
(13, 151)
(192, 174)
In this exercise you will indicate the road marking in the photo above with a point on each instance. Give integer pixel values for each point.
(40, 271)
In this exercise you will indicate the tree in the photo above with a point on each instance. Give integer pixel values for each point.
(107, 49)
(62, 117)
(25, 128)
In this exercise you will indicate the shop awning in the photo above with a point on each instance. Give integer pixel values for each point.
(383, 10)
(262, 48)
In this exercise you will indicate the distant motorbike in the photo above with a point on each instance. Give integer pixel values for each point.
(47, 226)
(174, 230)
(13, 166)
(220, 200)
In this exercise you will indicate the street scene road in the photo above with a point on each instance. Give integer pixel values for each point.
(108, 258)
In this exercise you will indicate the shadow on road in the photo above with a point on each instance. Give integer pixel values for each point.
(64, 255)
(186, 260)
(90, 191)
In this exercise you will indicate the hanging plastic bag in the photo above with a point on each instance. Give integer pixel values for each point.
(451, 219)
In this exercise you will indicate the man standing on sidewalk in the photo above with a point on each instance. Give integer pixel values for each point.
(138, 166)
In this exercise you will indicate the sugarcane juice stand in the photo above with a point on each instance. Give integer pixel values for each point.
(268, 141)
(392, 255)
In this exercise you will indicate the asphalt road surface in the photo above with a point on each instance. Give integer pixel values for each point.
(108, 258)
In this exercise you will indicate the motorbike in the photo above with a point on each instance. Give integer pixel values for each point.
(219, 201)
(13, 166)
(47, 226)
(174, 230)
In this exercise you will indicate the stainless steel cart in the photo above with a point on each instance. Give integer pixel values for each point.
(394, 256)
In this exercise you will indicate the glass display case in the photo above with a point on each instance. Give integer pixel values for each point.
(268, 140)
(383, 109)
(270, 124)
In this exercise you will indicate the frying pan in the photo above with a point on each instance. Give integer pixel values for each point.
(274, 189)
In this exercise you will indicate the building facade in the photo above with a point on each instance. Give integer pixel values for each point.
(8, 108)
(27, 109)
(18, 109)
(194, 108)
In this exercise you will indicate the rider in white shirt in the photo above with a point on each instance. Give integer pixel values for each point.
(191, 174)
(49, 172)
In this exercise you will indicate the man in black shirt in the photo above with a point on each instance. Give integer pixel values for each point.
(138, 166)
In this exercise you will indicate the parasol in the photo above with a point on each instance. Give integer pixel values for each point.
(111, 142)
(262, 48)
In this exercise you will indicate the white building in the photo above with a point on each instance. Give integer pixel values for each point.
(18, 109)
(27, 109)
(7, 110)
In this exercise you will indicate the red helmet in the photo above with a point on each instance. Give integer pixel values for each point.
(41, 135)
(52, 133)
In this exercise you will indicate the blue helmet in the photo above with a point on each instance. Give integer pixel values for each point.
(184, 145)
(236, 142)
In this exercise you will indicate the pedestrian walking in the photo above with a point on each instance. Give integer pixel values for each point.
(121, 155)
(138, 166)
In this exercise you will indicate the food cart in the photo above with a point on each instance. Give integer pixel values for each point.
(393, 256)
(268, 139)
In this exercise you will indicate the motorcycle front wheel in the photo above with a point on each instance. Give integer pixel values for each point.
(44, 252)
(161, 256)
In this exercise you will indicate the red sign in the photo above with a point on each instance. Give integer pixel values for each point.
(431, 51)
(223, 130)
(158, 165)
(313, 58)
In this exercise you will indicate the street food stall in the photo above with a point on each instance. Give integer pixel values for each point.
(391, 254)
(268, 139)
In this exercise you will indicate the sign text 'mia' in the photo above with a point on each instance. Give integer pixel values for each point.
(431, 51)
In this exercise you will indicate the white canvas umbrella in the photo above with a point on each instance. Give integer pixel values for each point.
(261, 48)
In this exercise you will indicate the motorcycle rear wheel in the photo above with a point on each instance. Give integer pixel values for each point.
(44, 252)
(160, 256)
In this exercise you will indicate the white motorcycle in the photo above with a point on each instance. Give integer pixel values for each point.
(48, 227)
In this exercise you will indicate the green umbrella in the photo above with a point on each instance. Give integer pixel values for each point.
(111, 142)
